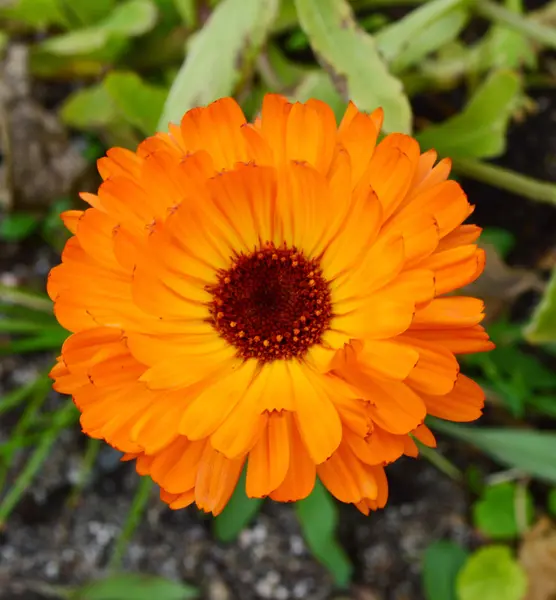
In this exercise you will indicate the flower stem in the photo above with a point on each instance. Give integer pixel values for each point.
(439, 461)
(529, 27)
(541, 191)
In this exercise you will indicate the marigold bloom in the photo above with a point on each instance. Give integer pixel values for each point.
(272, 294)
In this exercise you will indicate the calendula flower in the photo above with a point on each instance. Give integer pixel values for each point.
(272, 295)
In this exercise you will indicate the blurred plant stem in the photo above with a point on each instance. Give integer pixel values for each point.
(23, 298)
(134, 516)
(525, 186)
(532, 28)
(439, 461)
(61, 419)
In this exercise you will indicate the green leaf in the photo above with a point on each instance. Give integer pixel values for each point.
(351, 57)
(318, 517)
(397, 39)
(444, 30)
(502, 240)
(17, 226)
(38, 14)
(239, 512)
(138, 587)
(442, 563)
(219, 55)
(551, 502)
(89, 12)
(480, 130)
(188, 11)
(504, 47)
(542, 327)
(282, 73)
(530, 451)
(129, 19)
(494, 514)
(89, 108)
(492, 573)
(545, 404)
(139, 102)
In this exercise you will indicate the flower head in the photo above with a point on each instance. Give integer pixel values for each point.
(275, 295)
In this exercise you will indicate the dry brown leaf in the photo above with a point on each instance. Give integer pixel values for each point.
(500, 284)
(537, 556)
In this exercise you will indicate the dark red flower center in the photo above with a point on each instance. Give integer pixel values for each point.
(271, 304)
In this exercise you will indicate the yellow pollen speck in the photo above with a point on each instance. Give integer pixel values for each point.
(318, 312)
(241, 334)
(219, 315)
(312, 282)
(279, 338)
(266, 343)
(297, 331)
(275, 257)
(256, 339)
(303, 318)
(294, 263)
(295, 338)
(233, 324)
(227, 280)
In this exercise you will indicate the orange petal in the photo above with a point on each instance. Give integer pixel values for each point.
(311, 134)
(300, 478)
(425, 436)
(321, 436)
(464, 403)
(269, 459)
(464, 340)
(216, 479)
(346, 477)
(449, 313)
(436, 370)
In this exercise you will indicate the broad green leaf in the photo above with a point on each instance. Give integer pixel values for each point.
(89, 12)
(504, 47)
(442, 563)
(551, 502)
(38, 14)
(396, 39)
(530, 451)
(317, 84)
(282, 72)
(219, 55)
(239, 512)
(495, 513)
(318, 517)
(351, 57)
(479, 131)
(129, 586)
(90, 64)
(129, 19)
(545, 404)
(140, 103)
(89, 108)
(491, 573)
(511, 363)
(188, 11)
(439, 33)
(17, 226)
(132, 18)
(542, 327)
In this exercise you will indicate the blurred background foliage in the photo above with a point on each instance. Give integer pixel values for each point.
(91, 74)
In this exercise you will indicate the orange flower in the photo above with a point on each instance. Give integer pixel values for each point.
(272, 295)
